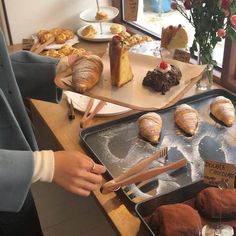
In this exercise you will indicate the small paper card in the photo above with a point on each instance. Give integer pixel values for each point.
(181, 55)
(131, 10)
(217, 172)
(27, 44)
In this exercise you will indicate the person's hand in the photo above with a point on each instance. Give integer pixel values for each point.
(76, 172)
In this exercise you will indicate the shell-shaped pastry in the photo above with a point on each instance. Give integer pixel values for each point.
(186, 118)
(223, 109)
(150, 125)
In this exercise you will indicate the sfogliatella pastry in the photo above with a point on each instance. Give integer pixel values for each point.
(89, 31)
(163, 77)
(116, 28)
(120, 68)
(186, 118)
(215, 203)
(175, 220)
(174, 37)
(150, 125)
(101, 15)
(86, 72)
(223, 109)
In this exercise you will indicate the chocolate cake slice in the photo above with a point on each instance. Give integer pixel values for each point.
(163, 77)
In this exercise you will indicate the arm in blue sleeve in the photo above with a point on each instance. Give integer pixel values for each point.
(15, 178)
(35, 76)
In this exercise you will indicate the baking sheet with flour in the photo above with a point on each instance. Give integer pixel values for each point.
(118, 146)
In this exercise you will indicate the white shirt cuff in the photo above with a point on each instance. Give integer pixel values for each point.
(43, 166)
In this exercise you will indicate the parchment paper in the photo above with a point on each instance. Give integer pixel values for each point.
(136, 96)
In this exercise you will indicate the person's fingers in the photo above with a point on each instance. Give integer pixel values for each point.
(93, 167)
(79, 191)
(87, 176)
(86, 185)
(98, 169)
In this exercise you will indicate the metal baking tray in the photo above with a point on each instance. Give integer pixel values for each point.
(118, 146)
(184, 195)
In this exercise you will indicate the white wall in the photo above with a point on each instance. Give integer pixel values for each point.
(29, 16)
(3, 24)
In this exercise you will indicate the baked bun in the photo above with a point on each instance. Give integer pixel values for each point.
(176, 220)
(116, 28)
(174, 37)
(60, 38)
(89, 32)
(86, 72)
(61, 35)
(101, 15)
(150, 125)
(215, 203)
(223, 109)
(186, 117)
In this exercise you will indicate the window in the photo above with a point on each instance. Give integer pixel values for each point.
(150, 21)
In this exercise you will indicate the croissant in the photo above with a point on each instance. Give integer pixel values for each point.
(150, 125)
(86, 72)
(223, 109)
(186, 118)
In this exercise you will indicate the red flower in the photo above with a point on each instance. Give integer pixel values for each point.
(187, 4)
(233, 20)
(226, 12)
(221, 32)
(225, 3)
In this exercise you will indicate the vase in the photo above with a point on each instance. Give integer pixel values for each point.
(206, 80)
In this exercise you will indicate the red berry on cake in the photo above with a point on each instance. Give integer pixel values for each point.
(163, 65)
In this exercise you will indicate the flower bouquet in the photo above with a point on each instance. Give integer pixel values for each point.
(212, 21)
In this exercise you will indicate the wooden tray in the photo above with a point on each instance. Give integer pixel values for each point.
(133, 94)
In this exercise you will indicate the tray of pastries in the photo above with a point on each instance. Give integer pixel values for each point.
(59, 36)
(197, 128)
(190, 211)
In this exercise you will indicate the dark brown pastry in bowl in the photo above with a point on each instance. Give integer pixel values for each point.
(175, 220)
(215, 203)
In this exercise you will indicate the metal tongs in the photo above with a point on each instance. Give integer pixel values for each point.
(138, 173)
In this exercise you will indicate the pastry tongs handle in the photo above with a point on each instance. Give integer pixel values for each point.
(113, 185)
(137, 168)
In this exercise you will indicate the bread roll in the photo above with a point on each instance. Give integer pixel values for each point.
(176, 220)
(86, 72)
(89, 32)
(186, 118)
(223, 109)
(215, 203)
(150, 125)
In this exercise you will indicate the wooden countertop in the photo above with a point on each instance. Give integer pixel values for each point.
(66, 133)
